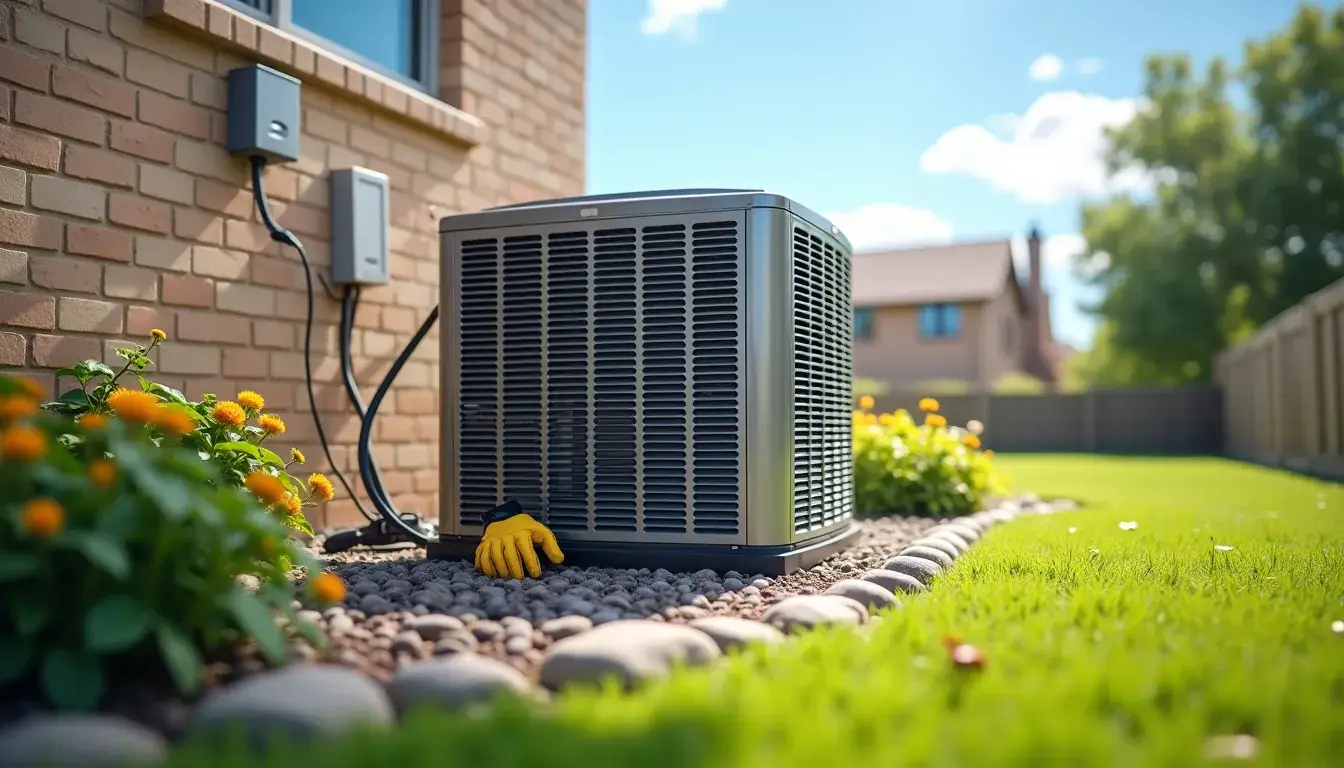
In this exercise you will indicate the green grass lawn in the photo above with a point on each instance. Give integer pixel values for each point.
(1103, 647)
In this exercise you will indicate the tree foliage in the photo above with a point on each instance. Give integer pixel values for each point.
(1247, 215)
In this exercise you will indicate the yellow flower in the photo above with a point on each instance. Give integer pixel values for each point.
(31, 388)
(42, 518)
(266, 487)
(157, 334)
(229, 414)
(17, 407)
(867, 402)
(971, 441)
(292, 504)
(22, 443)
(935, 420)
(93, 421)
(928, 405)
(297, 456)
(271, 424)
(133, 405)
(102, 473)
(886, 419)
(251, 400)
(174, 421)
(988, 454)
(321, 486)
(327, 587)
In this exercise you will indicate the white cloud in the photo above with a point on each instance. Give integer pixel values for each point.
(1089, 66)
(1047, 66)
(891, 225)
(679, 16)
(1055, 152)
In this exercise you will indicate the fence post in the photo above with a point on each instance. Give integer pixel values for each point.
(1090, 420)
(1330, 383)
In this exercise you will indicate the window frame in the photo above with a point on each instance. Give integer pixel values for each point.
(941, 310)
(869, 327)
(279, 14)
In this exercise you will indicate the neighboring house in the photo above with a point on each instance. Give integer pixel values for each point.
(120, 210)
(956, 312)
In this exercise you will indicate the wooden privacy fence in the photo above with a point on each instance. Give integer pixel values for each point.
(1137, 421)
(1283, 389)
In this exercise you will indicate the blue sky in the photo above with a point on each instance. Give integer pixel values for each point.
(905, 121)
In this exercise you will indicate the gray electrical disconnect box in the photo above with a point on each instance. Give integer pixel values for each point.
(359, 221)
(263, 116)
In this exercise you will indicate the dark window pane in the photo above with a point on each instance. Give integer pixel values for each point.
(384, 32)
(929, 317)
(951, 320)
(863, 323)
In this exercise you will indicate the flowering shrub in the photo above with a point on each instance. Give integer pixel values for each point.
(929, 468)
(119, 544)
(221, 431)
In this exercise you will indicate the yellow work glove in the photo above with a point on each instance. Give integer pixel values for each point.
(507, 548)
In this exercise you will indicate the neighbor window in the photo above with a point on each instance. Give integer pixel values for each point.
(863, 323)
(398, 38)
(939, 321)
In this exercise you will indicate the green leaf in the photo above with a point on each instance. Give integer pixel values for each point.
(31, 612)
(75, 397)
(255, 619)
(171, 395)
(16, 653)
(72, 679)
(116, 623)
(104, 552)
(270, 457)
(299, 523)
(239, 447)
(93, 368)
(17, 565)
(180, 657)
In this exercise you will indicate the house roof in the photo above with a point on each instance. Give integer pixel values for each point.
(957, 272)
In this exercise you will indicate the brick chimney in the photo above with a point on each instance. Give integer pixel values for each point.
(1035, 291)
(1036, 357)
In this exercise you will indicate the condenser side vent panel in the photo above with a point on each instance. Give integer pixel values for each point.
(601, 375)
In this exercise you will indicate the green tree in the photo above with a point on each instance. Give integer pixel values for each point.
(1245, 220)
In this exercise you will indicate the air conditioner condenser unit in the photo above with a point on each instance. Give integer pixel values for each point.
(665, 376)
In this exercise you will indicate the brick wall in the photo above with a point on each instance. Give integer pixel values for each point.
(120, 211)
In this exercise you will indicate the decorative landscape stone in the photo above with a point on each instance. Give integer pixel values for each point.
(804, 612)
(895, 582)
(916, 567)
(966, 532)
(949, 536)
(732, 633)
(628, 650)
(87, 741)
(929, 553)
(873, 597)
(938, 543)
(455, 682)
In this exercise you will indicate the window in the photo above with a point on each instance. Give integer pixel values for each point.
(397, 38)
(863, 323)
(939, 321)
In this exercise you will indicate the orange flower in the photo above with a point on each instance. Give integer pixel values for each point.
(93, 421)
(867, 402)
(266, 487)
(174, 421)
(23, 443)
(133, 405)
(321, 487)
(251, 400)
(42, 518)
(971, 441)
(31, 388)
(935, 420)
(229, 414)
(928, 405)
(327, 587)
(297, 456)
(271, 424)
(17, 407)
(292, 504)
(989, 453)
(102, 473)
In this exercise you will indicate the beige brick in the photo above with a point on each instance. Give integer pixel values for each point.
(175, 115)
(13, 349)
(59, 117)
(94, 50)
(198, 226)
(188, 291)
(212, 327)
(139, 213)
(109, 244)
(166, 184)
(13, 267)
(62, 273)
(417, 401)
(28, 310)
(99, 165)
(190, 359)
(94, 90)
(156, 72)
(244, 299)
(39, 31)
(82, 12)
(217, 262)
(13, 186)
(228, 199)
(29, 148)
(89, 315)
(141, 141)
(242, 362)
(162, 254)
(272, 334)
(73, 198)
(209, 90)
(31, 230)
(62, 351)
(130, 283)
(209, 160)
(141, 320)
(24, 68)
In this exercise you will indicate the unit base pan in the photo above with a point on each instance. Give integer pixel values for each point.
(768, 561)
